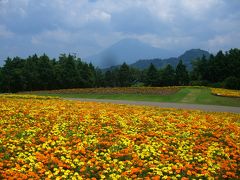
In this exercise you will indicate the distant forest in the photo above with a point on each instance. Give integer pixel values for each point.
(43, 73)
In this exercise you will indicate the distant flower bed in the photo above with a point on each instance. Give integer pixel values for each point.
(123, 90)
(59, 139)
(26, 96)
(225, 92)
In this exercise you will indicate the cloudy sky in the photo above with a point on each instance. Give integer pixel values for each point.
(86, 27)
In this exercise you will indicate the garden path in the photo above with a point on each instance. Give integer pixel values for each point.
(209, 108)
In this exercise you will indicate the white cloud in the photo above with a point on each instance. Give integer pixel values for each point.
(76, 19)
(18, 7)
(164, 10)
(3, 1)
(53, 36)
(98, 15)
(78, 13)
(173, 10)
(199, 9)
(5, 33)
(226, 24)
(116, 6)
(224, 41)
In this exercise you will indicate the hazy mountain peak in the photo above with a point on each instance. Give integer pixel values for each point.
(127, 50)
(193, 54)
(129, 41)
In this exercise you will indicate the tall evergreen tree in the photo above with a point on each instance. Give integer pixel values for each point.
(200, 69)
(99, 78)
(68, 71)
(135, 77)
(12, 75)
(168, 77)
(124, 75)
(31, 73)
(152, 76)
(182, 77)
(1, 79)
(233, 59)
(220, 66)
(87, 74)
(46, 73)
(109, 79)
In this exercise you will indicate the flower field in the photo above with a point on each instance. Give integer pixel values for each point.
(57, 139)
(225, 92)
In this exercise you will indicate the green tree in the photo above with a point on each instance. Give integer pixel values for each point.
(31, 73)
(1, 79)
(167, 76)
(232, 82)
(45, 73)
(12, 75)
(182, 76)
(111, 78)
(219, 67)
(136, 78)
(200, 70)
(152, 76)
(92, 77)
(68, 71)
(233, 61)
(124, 75)
(99, 78)
(88, 75)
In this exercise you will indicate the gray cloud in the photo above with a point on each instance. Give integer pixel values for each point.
(88, 26)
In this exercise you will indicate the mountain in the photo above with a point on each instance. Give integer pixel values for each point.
(193, 54)
(187, 58)
(127, 50)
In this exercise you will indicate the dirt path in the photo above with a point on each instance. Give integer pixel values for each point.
(210, 108)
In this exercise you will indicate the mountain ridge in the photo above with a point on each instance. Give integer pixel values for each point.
(187, 57)
(127, 50)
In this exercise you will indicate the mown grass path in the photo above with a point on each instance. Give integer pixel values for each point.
(210, 108)
(191, 96)
(204, 96)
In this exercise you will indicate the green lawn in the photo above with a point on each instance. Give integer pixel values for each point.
(189, 95)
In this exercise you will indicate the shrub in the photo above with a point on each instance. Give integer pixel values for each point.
(199, 83)
(138, 84)
(232, 83)
(217, 85)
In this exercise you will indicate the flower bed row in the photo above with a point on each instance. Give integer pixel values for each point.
(56, 139)
(26, 96)
(123, 90)
(225, 92)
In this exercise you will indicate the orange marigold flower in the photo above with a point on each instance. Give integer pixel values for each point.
(42, 139)
(135, 170)
(189, 172)
(156, 178)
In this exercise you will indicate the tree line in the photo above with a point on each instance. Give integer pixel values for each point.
(43, 73)
(221, 70)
